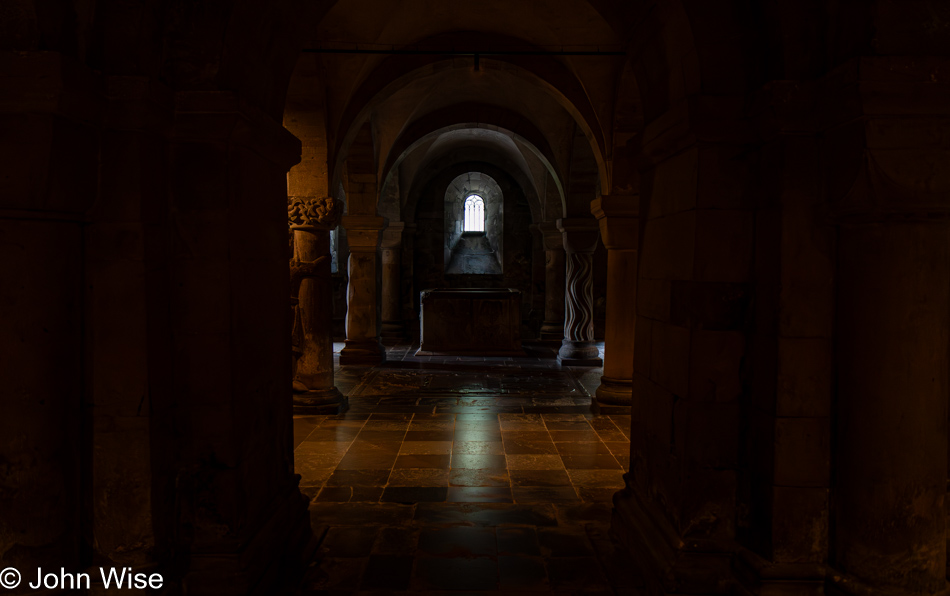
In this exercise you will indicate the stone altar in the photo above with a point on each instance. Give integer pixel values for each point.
(470, 321)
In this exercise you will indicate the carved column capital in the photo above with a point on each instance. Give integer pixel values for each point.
(363, 231)
(580, 234)
(550, 235)
(618, 217)
(392, 235)
(323, 212)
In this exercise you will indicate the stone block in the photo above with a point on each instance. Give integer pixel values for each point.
(706, 434)
(199, 177)
(807, 307)
(117, 308)
(669, 364)
(217, 442)
(653, 299)
(255, 177)
(708, 508)
(256, 238)
(122, 488)
(260, 352)
(481, 321)
(202, 300)
(643, 346)
(761, 445)
(25, 151)
(665, 480)
(724, 242)
(113, 242)
(802, 452)
(715, 360)
(767, 306)
(808, 271)
(768, 236)
(73, 173)
(669, 247)
(131, 165)
(907, 133)
(201, 235)
(763, 351)
(714, 306)
(657, 414)
(799, 524)
(674, 184)
(804, 377)
(726, 177)
(203, 368)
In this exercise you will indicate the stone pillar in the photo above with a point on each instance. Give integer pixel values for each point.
(892, 296)
(580, 239)
(553, 326)
(619, 229)
(393, 327)
(362, 320)
(892, 313)
(232, 500)
(312, 220)
(51, 160)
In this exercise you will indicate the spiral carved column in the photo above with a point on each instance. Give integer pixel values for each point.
(580, 239)
(311, 222)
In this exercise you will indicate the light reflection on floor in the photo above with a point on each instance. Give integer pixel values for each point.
(448, 473)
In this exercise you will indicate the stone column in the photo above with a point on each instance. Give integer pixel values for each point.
(51, 161)
(619, 229)
(312, 220)
(393, 327)
(893, 280)
(580, 239)
(553, 326)
(229, 350)
(362, 321)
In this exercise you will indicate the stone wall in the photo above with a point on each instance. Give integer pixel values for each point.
(481, 256)
(429, 240)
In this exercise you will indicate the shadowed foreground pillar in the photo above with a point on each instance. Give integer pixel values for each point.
(362, 321)
(892, 388)
(225, 446)
(580, 240)
(393, 328)
(619, 228)
(553, 326)
(314, 391)
(892, 316)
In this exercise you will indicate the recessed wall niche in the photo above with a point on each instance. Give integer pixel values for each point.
(474, 226)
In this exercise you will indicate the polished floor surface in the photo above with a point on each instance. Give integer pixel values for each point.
(465, 475)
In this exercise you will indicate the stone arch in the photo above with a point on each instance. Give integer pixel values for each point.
(471, 115)
(394, 74)
(452, 159)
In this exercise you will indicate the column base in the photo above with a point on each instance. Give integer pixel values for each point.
(579, 353)
(320, 401)
(365, 352)
(615, 393)
(552, 331)
(756, 575)
(669, 563)
(265, 564)
(393, 332)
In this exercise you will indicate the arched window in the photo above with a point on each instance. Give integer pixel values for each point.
(474, 214)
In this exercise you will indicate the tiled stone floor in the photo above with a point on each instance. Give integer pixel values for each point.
(465, 475)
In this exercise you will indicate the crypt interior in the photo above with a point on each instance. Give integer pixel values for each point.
(631, 297)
